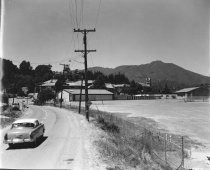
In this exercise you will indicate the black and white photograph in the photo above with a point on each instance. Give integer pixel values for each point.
(105, 84)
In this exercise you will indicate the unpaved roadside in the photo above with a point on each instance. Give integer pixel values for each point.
(68, 144)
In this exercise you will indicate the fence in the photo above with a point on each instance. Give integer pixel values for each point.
(165, 149)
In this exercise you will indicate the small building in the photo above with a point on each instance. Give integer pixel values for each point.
(201, 92)
(119, 87)
(33, 95)
(48, 84)
(77, 84)
(93, 95)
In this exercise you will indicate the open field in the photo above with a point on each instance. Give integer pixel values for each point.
(190, 119)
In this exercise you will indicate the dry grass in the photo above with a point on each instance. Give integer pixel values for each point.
(9, 116)
(124, 151)
(128, 145)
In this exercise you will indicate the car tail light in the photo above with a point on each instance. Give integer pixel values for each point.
(6, 137)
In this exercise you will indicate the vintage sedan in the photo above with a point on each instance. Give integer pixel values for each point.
(24, 131)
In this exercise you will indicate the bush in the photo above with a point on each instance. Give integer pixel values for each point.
(4, 98)
(44, 95)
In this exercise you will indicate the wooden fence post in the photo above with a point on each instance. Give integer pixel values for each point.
(165, 147)
(182, 151)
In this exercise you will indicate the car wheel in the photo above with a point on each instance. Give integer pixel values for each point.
(34, 144)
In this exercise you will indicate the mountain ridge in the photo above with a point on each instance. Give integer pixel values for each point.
(158, 71)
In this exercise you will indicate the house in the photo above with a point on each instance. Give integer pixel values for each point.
(93, 95)
(119, 87)
(201, 92)
(48, 84)
(68, 85)
(77, 84)
(33, 95)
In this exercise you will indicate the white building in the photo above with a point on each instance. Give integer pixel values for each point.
(93, 95)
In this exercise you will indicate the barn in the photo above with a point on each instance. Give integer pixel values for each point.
(93, 95)
(202, 92)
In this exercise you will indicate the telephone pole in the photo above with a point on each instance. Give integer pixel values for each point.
(65, 69)
(85, 52)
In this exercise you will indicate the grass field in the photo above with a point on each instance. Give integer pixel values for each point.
(190, 119)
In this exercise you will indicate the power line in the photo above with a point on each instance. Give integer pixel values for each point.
(91, 57)
(71, 13)
(78, 61)
(82, 13)
(76, 13)
(98, 13)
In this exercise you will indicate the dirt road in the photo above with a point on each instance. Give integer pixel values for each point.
(66, 143)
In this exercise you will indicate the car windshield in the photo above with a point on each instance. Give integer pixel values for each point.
(19, 125)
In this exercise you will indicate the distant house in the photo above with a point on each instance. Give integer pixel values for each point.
(68, 85)
(109, 86)
(144, 84)
(77, 84)
(93, 95)
(48, 84)
(201, 92)
(33, 95)
(119, 87)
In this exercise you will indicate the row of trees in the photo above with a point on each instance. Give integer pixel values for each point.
(14, 78)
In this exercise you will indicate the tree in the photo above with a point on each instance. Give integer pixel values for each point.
(111, 78)
(23, 81)
(99, 83)
(43, 73)
(25, 68)
(59, 84)
(133, 88)
(45, 95)
(90, 75)
(4, 98)
(119, 79)
(166, 89)
(9, 70)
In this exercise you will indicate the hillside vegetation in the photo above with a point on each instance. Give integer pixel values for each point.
(159, 72)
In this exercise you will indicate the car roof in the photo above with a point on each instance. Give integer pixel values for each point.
(25, 120)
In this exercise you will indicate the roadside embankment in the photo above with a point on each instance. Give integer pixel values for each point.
(124, 145)
(9, 115)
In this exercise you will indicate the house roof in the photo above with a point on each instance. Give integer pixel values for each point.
(144, 84)
(90, 91)
(186, 90)
(78, 83)
(109, 85)
(121, 85)
(49, 83)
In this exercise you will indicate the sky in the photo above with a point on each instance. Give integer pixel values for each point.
(130, 32)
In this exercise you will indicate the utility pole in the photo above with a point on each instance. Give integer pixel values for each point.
(65, 68)
(85, 52)
(80, 96)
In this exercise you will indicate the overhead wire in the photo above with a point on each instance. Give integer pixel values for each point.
(98, 13)
(82, 13)
(91, 57)
(74, 21)
(75, 2)
(71, 13)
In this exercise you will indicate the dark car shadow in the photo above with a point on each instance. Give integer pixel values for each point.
(28, 145)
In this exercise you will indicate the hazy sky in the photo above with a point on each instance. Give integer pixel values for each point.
(128, 32)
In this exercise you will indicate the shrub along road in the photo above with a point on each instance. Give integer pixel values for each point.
(66, 143)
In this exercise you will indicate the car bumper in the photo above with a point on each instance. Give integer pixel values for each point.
(14, 141)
